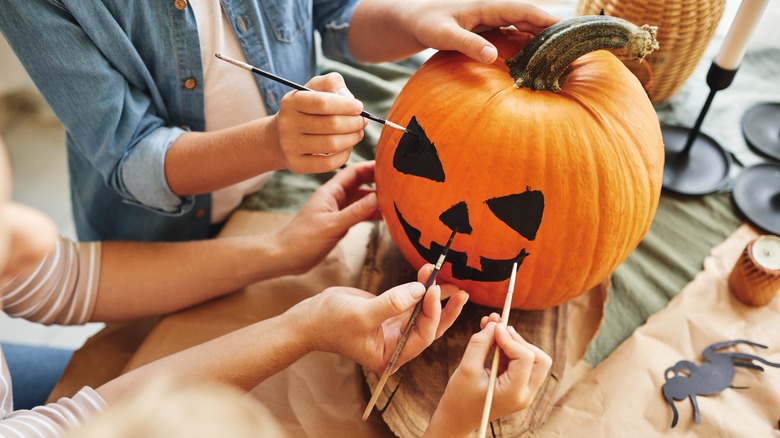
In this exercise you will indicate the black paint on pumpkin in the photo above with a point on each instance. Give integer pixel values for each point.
(457, 216)
(492, 270)
(522, 211)
(416, 155)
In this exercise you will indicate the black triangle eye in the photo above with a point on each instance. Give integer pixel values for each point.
(522, 211)
(416, 155)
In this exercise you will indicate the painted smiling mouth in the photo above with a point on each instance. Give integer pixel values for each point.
(492, 269)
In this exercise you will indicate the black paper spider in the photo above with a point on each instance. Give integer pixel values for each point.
(712, 377)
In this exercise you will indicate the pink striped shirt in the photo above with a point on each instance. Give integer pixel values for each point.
(61, 290)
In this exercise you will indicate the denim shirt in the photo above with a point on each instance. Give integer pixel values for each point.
(125, 78)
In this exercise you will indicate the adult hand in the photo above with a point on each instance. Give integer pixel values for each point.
(522, 370)
(453, 25)
(343, 201)
(367, 328)
(316, 131)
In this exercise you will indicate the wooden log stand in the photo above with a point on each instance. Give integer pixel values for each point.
(412, 393)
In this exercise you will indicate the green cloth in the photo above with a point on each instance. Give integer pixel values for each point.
(670, 255)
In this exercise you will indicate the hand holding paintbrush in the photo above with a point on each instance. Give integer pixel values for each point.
(299, 87)
(517, 372)
(312, 131)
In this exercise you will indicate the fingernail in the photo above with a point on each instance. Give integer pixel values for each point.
(417, 290)
(344, 92)
(512, 329)
(372, 201)
(359, 106)
(488, 54)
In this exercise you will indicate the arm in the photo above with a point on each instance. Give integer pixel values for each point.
(112, 102)
(347, 321)
(522, 372)
(409, 26)
(311, 133)
(142, 279)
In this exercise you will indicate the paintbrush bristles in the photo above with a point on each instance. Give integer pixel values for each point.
(235, 62)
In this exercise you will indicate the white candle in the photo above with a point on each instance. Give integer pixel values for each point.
(741, 28)
(766, 252)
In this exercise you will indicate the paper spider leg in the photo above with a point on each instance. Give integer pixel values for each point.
(695, 408)
(674, 408)
(746, 356)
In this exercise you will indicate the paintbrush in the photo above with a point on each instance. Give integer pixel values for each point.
(408, 328)
(496, 354)
(292, 84)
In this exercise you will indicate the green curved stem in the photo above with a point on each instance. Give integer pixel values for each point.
(548, 54)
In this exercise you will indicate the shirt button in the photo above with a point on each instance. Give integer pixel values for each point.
(241, 24)
(180, 4)
(200, 214)
(190, 84)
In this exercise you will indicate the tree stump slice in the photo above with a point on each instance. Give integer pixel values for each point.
(411, 395)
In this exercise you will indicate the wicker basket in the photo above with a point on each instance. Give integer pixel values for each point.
(685, 28)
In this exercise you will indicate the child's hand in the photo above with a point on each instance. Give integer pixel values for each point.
(316, 131)
(522, 369)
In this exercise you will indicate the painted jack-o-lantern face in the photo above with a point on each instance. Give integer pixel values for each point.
(564, 183)
(522, 212)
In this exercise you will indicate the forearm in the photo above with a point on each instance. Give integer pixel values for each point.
(242, 359)
(381, 17)
(448, 422)
(201, 162)
(141, 279)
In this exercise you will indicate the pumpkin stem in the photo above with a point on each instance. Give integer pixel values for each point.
(548, 54)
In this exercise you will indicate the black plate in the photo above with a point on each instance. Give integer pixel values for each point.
(757, 196)
(705, 170)
(761, 128)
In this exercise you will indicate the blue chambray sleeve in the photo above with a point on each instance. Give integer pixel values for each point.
(109, 120)
(331, 19)
(142, 174)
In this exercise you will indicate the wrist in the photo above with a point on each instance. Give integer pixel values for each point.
(259, 257)
(448, 422)
(300, 320)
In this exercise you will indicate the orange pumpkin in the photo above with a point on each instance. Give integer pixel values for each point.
(566, 182)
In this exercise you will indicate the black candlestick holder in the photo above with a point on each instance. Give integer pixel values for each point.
(757, 196)
(696, 164)
(757, 189)
(761, 128)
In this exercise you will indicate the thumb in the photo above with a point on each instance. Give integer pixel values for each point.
(396, 301)
(470, 44)
(478, 348)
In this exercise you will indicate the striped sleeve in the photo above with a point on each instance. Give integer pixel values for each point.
(62, 289)
(55, 418)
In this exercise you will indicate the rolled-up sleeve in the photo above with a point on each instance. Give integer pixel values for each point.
(142, 174)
